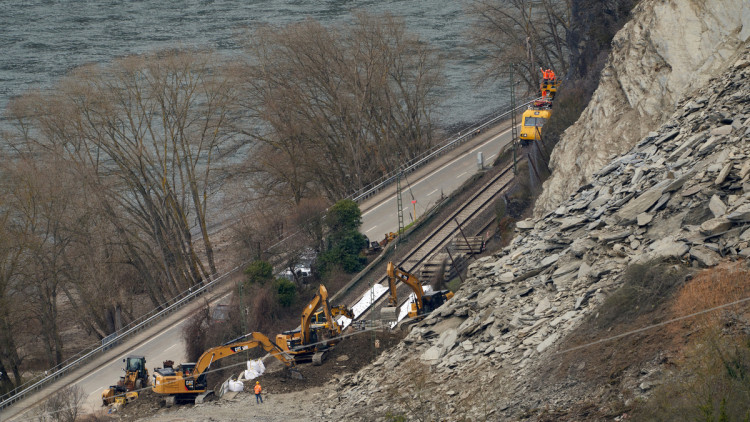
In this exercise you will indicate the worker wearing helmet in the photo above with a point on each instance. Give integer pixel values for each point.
(258, 398)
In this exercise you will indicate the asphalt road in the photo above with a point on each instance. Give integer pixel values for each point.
(166, 345)
(444, 176)
(426, 186)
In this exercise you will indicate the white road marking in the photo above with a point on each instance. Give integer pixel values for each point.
(170, 347)
(131, 351)
(490, 157)
(439, 170)
(459, 176)
(373, 228)
(432, 192)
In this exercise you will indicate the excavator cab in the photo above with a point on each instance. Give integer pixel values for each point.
(434, 299)
(319, 318)
(188, 381)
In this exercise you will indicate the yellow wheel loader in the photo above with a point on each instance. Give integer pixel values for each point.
(135, 379)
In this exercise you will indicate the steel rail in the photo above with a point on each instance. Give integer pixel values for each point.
(440, 236)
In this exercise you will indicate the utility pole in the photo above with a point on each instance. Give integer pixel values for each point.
(513, 121)
(243, 317)
(373, 339)
(400, 205)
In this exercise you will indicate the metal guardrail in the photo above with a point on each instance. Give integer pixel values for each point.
(430, 154)
(178, 301)
(108, 342)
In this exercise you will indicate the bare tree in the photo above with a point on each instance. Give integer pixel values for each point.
(12, 309)
(142, 133)
(102, 286)
(41, 209)
(63, 406)
(338, 107)
(528, 34)
(308, 220)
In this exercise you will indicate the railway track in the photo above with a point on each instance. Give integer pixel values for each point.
(441, 236)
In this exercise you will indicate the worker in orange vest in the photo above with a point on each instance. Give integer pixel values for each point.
(548, 74)
(258, 398)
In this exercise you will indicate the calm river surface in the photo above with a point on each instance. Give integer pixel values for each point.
(42, 40)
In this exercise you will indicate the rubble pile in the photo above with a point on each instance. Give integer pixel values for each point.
(682, 192)
(666, 51)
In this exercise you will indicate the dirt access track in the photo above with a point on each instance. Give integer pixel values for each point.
(284, 398)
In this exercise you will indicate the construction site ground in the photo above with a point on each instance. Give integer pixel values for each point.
(287, 399)
(284, 398)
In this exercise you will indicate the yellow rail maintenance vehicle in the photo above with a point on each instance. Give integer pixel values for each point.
(532, 121)
(540, 111)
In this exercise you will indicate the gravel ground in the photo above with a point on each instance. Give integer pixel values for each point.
(287, 407)
(284, 399)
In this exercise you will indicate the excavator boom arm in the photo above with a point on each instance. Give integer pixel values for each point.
(309, 311)
(327, 308)
(248, 341)
(398, 274)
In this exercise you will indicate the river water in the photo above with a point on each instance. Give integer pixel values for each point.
(41, 40)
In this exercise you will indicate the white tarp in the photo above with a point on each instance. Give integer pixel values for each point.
(371, 296)
(255, 368)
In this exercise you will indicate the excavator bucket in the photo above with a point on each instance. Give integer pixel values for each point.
(389, 313)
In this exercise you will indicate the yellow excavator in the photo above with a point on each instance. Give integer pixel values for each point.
(311, 342)
(126, 390)
(319, 319)
(188, 380)
(425, 302)
(389, 237)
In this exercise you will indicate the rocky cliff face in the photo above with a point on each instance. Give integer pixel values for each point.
(681, 191)
(669, 49)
